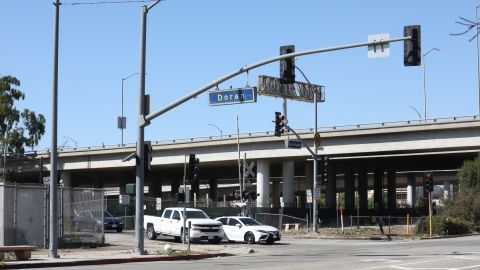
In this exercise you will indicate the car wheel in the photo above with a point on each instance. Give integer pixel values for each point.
(119, 230)
(151, 234)
(249, 238)
(178, 239)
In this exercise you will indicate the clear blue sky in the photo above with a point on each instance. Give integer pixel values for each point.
(192, 42)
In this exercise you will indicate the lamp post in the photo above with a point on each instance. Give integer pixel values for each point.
(478, 59)
(419, 115)
(122, 121)
(424, 84)
(142, 122)
(221, 132)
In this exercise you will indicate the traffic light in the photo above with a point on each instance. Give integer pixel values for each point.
(147, 153)
(412, 53)
(279, 124)
(191, 167)
(323, 169)
(287, 66)
(428, 182)
(196, 171)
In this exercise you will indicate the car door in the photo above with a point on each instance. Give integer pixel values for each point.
(175, 223)
(236, 229)
(165, 222)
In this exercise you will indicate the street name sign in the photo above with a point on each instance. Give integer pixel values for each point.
(232, 96)
(271, 86)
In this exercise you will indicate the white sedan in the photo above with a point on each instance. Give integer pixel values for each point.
(245, 229)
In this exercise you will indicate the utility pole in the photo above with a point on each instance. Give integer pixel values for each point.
(53, 230)
(140, 168)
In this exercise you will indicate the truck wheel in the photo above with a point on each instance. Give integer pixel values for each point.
(178, 239)
(151, 234)
(249, 238)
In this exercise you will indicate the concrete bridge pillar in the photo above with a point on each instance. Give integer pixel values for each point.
(391, 190)
(363, 190)
(377, 190)
(411, 189)
(331, 188)
(263, 183)
(349, 182)
(447, 189)
(287, 187)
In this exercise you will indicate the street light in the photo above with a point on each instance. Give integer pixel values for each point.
(122, 121)
(221, 132)
(478, 60)
(424, 84)
(419, 115)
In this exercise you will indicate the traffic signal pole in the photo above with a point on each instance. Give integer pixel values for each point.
(144, 120)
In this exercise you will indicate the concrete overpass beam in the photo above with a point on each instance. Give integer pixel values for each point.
(287, 187)
(411, 189)
(350, 190)
(263, 183)
(331, 186)
(392, 191)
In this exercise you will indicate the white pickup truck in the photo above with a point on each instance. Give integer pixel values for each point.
(171, 224)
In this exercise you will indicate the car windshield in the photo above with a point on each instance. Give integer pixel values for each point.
(196, 214)
(249, 221)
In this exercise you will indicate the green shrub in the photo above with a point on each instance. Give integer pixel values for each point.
(444, 225)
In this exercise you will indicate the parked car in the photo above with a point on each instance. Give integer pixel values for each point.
(89, 220)
(249, 230)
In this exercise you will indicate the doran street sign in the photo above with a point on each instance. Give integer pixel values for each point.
(271, 86)
(232, 96)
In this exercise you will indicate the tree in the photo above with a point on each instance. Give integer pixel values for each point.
(18, 129)
(469, 175)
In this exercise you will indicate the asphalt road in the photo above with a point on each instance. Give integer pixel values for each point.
(298, 253)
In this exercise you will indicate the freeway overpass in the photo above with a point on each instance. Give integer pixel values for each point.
(361, 158)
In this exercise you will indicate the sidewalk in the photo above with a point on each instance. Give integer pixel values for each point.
(117, 251)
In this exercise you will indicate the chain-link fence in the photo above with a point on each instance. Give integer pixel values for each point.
(24, 215)
(82, 216)
(375, 225)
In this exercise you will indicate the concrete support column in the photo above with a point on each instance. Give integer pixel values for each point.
(349, 182)
(213, 190)
(331, 192)
(411, 189)
(391, 190)
(275, 194)
(308, 175)
(377, 190)
(263, 183)
(447, 190)
(363, 190)
(287, 187)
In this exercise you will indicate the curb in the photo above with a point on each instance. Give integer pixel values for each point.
(83, 262)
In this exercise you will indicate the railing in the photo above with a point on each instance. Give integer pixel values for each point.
(418, 122)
